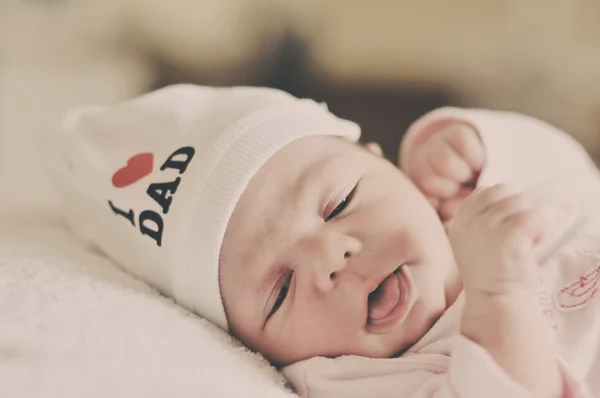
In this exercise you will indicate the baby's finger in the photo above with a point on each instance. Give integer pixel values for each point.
(448, 208)
(438, 187)
(483, 198)
(528, 222)
(466, 142)
(445, 162)
(507, 207)
(430, 183)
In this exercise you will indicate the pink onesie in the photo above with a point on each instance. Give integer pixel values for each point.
(527, 154)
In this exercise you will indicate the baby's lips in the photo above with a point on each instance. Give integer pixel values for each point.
(383, 300)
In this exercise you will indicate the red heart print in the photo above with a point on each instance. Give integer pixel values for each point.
(138, 167)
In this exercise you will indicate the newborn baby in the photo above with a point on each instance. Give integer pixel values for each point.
(260, 212)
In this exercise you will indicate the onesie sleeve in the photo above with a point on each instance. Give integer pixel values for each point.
(473, 372)
(531, 156)
(519, 150)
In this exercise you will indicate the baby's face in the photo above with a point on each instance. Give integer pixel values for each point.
(332, 251)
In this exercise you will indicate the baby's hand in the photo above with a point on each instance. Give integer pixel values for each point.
(446, 166)
(493, 236)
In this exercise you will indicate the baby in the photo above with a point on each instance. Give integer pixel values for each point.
(259, 212)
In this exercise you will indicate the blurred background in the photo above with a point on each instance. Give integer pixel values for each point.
(381, 63)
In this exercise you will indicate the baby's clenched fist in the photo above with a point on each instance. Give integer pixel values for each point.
(493, 236)
(446, 166)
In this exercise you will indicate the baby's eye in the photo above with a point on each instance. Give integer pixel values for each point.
(283, 291)
(340, 207)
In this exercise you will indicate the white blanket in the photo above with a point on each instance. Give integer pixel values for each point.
(74, 325)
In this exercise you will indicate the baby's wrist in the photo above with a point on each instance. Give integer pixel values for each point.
(501, 291)
(483, 308)
(499, 297)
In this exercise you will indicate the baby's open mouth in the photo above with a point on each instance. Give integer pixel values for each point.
(388, 303)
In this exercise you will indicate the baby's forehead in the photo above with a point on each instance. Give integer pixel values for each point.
(293, 172)
(280, 185)
(309, 153)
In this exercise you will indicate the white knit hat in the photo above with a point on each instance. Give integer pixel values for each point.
(153, 181)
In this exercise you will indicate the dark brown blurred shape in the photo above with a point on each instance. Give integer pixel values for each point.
(383, 112)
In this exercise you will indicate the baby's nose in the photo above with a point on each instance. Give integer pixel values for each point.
(330, 258)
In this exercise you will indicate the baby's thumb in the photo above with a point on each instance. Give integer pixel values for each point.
(438, 187)
(448, 207)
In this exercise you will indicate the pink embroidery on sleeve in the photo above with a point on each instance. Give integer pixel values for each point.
(579, 293)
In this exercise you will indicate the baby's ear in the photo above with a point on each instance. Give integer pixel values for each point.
(373, 147)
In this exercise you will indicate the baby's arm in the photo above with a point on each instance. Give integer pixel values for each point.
(447, 154)
(450, 151)
(493, 237)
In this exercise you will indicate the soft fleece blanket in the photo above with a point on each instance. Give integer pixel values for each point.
(72, 324)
